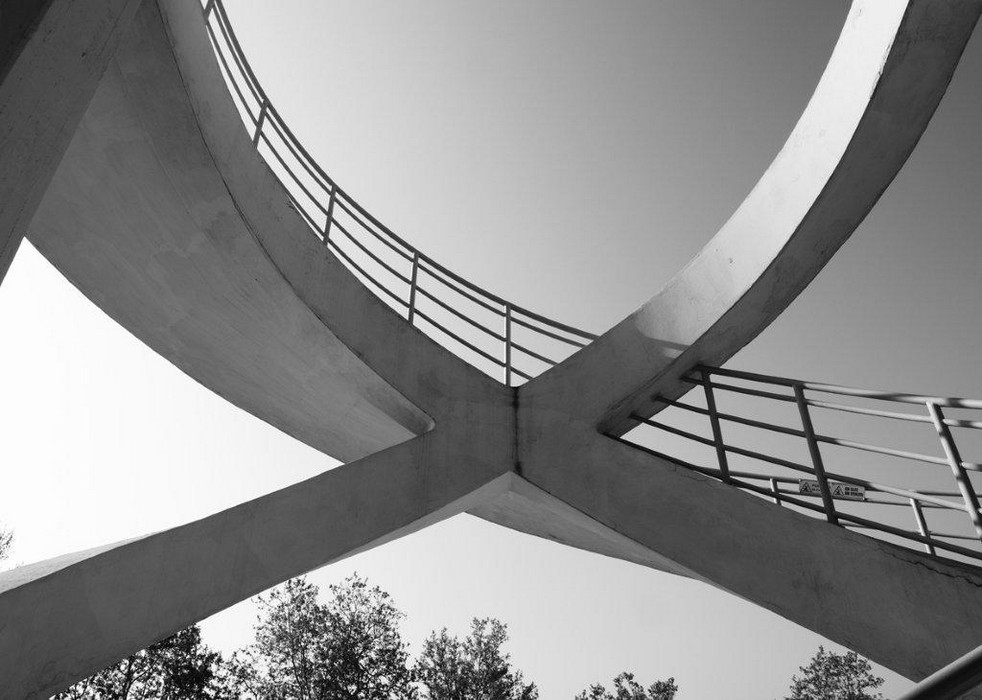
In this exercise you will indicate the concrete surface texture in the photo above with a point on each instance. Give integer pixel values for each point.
(162, 213)
(52, 56)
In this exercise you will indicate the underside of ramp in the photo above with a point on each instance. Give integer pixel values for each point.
(140, 218)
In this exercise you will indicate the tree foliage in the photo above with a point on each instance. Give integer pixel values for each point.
(177, 668)
(831, 676)
(347, 648)
(6, 542)
(474, 668)
(626, 688)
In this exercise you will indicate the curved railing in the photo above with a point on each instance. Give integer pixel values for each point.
(495, 335)
(790, 456)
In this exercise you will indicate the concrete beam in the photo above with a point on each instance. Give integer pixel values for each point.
(901, 608)
(64, 619)
(887, 74)
(52, 55)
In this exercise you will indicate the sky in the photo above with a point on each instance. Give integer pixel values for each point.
(570, 156)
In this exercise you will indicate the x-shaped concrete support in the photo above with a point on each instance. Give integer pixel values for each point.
(539, 458)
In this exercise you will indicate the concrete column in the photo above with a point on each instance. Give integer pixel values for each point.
(52, 56)
(64, 619)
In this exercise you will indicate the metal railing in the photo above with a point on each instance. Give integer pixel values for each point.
(502, 338)
(816, 481)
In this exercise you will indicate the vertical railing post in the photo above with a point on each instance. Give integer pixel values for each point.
(330, 215)
(922, 525)
(507, 344)
(259, 122)
(816, 455)
(955, 462)
(776, 492)
(412, 287)
(707, 386)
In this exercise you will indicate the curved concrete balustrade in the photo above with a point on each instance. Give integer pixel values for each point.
(164, 215)
(890, 68)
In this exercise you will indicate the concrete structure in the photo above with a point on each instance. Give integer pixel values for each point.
(162, 213)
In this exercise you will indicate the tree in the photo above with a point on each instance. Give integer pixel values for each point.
(831, 676)
(177, 668)
(472, 669)
(349, 648)
(626, 688)
(6, 542)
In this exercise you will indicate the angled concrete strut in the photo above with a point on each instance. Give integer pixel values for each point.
(52, 56)
(162, 214)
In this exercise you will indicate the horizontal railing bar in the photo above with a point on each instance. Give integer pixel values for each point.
(550, 334)
(908, 534)
(494, 298)
(337, 249)
(870, 487)
(684, 406)
(882, 488)
(458, 314)
(868, 411)
(953, 536)
(343, 202)
(881, 527)
(449, 284)
(532, 353)
(793, 480)
(237, 54)
(316, 174)
(742, 390)
(953, 422)
(231, 76)
(382, 228)
(760, 424)
(674, 431)
(303, 213)
(520, 373)
(949, 402)
(460, 340)
(768, 458)
(916, 456)
(553, 324)
(363, 248)
(293, 175)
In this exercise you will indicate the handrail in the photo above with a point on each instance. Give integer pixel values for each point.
(440, 291)
(831, 486)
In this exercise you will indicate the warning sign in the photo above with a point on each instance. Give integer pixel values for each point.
(848, 492)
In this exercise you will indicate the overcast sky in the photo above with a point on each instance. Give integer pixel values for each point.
(571, 156)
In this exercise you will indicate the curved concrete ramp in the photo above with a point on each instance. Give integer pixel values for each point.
(887, 75)
(164, 216)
